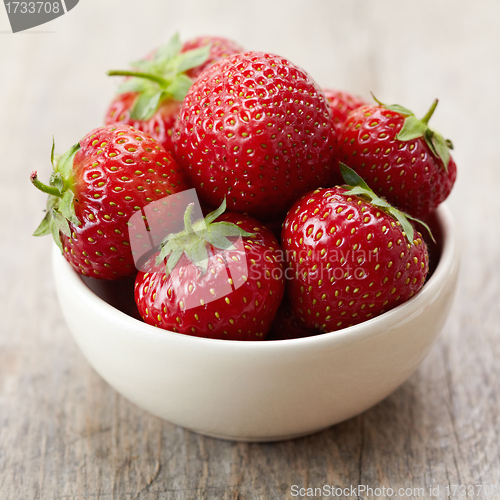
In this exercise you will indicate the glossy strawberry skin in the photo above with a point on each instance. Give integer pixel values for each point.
(117, 171)
(245, 313)
(349, 260)
(406, 173)
(256, 129)
(161, 124)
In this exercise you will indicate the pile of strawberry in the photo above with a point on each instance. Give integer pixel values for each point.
(309, 196)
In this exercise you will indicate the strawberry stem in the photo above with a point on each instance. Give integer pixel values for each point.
(138, 74)
(43, 187)
(427, 117)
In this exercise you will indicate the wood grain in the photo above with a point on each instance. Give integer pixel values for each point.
(65, 434)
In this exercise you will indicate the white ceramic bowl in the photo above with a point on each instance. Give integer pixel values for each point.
(261, 390)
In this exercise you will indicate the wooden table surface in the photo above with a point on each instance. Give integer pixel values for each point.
(65, 434)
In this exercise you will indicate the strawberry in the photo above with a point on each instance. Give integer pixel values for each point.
(341, 104)
(256, 129)
(399, 156)
(220, 48)
(96, 187)
(212, 286)
(353, 256)
(286, 325)
(150, 101)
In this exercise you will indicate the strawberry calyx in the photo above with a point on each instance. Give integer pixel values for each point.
(357, 186)
(162, 77)
(414, 128)
(194, 239)
(60, 211)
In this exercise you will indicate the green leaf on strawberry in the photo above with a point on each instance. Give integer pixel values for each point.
(65, 163)
(179, 88)
(414, 128)
(438, 145)
(67, 207)
(60, 222)
(397, 108)
(162, 77)
(169, 50)
(359, 187)
(146, 104)
(44, 228)
(60, 204)
(193, 239)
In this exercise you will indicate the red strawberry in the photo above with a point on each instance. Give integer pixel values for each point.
(211, 286)
(353, 256)
(286, 325)
(399, 156)
(220, 48)
(341, 103)
(96, 187)
(256, 129)
(158, 125)
(151, 100)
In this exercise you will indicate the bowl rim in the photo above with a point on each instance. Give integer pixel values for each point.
(448, 258)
